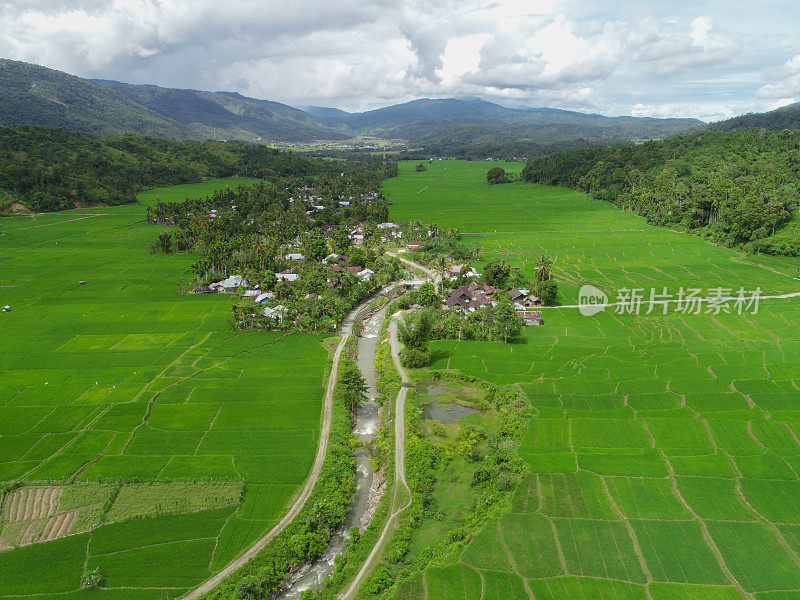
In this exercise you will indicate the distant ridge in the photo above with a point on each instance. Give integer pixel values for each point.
(787, 117)
(227, 115)
(34, 95)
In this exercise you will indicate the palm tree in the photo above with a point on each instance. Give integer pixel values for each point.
(544, 266)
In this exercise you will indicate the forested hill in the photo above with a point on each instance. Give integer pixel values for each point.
(227, 115)
(38, 96)
(464, 121)
(54, 169)
(787, 117)
(740, 188)
(34, 95)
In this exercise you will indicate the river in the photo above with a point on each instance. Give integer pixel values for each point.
(369, 487)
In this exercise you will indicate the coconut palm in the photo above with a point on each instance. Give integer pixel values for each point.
(544, 266)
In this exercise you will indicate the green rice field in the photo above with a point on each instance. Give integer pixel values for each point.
(125, 404)
(592, 242)
(664, 454)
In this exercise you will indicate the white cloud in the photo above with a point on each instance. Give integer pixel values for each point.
(786, 82)
(615, 57)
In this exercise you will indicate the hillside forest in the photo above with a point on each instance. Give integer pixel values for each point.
(737, 188)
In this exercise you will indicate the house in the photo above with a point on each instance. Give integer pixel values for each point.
(471, 297)
(413, 246)
(531, 317)
(295, 256)
(523, 300)
(264, 297)
(251, 293)
(276, 313)
(344, 203)
(287, 275)
(365, 274)
(455, 270)
(334, 258)
(354, 270)
(228, 285)
(388, 226)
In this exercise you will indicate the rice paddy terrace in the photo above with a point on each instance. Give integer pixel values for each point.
(146, 441)
(664, 454)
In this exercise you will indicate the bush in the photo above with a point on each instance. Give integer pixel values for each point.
(547, 291)
(415, 358)
(249, 588)
(496, 175)
(92, 579)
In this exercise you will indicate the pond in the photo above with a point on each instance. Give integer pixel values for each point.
(447, 412)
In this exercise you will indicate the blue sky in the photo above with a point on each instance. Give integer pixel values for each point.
(708, 59)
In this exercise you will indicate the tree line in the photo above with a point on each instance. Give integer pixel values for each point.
(54, 169)
(737, 188)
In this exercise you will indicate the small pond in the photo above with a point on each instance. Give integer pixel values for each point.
(447, 412)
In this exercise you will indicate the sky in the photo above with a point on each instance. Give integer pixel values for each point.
(708, 59)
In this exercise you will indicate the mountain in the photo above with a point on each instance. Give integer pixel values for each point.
(34, 95)
(469, 119)
(330, 116)
(227, 115)
(787, 117)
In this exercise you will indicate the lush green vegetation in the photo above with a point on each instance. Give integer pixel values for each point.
(787, 117)
(736, 188)
(308, 535)
(589, 242)
(285, 226)
(121, 379)
(35, 95)
(662, 450)
(53, 169)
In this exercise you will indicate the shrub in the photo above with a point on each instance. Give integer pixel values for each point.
(415, 358)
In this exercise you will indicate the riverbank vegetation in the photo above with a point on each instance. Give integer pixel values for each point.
(308, 535)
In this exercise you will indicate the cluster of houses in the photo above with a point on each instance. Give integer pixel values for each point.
(386, 231)
(473, 296)
(335, 263)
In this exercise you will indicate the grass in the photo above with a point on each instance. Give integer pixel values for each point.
(664, 454)
(123, 380)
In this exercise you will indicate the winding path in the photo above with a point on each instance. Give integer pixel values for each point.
(401, 490)
(322, 450)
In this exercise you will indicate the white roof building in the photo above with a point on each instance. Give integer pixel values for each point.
(264, 296)
(231, 283)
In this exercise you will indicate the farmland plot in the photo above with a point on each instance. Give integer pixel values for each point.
(664, 454)
(126, 405)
